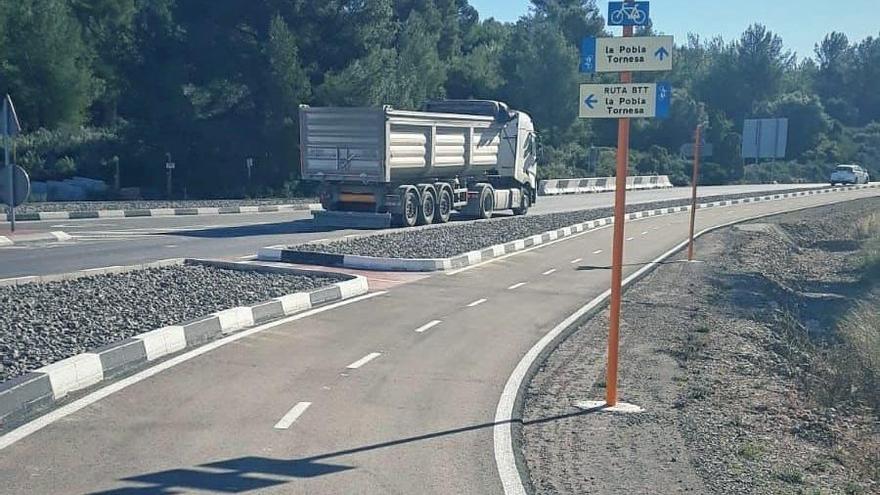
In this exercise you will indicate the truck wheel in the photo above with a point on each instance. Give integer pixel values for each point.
(444, 207)
(427, 209)
(487, 202)
(410, 206)
(526, 202)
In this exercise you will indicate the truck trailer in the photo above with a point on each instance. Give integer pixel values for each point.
(473, 157)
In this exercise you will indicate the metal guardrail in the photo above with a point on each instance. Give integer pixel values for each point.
(554, 187)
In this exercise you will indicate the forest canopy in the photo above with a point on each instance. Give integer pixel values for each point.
(104, 82)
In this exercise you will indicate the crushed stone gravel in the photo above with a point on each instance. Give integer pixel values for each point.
(452, 239)
(44, 323)
(152, 204)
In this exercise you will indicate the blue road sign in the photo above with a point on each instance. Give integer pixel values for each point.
(588, 55)
(628, 13)
(664, 99)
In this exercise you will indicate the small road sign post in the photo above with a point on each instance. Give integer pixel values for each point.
(644, 53)
(249, 165)
(11, 127)
(698, 143)
(169, 171)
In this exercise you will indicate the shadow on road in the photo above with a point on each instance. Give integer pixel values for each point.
(244, 474)
(278, 228)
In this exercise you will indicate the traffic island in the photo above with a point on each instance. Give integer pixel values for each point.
(460, 244)
(756, 370)
(64, 333)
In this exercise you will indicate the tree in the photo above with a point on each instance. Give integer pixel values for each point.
(44, 63)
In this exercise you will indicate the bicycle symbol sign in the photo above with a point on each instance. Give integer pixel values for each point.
(628, 13)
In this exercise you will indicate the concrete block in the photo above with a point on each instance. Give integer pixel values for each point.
(294, 303)
(325, 295)
(163, 341)
(22, 395)
(120, 357)
(202, 330)
(74, 373)
(354, 287)
(234, 319)
(268, 311)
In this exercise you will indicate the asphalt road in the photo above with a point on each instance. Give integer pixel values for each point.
(351, 400)
(127, 241)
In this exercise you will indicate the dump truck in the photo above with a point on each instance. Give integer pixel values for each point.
(406, 168)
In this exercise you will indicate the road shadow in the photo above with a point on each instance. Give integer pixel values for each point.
(263, 229)
(245, 474)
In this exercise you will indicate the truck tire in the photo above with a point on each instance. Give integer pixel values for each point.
(427, 208)
(444, 206)
(487, 202)
(410, 207)
(526, 203)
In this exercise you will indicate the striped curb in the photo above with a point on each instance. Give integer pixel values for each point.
(27, 395)
(554, 187)
(160, 212)
(287, 255)
(54, 236)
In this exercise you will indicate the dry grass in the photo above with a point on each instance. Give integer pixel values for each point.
(856, 361)
(868, 226)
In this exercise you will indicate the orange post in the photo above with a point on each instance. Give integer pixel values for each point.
(696, 178)
(617, 255)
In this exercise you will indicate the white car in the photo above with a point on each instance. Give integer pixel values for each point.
(849, 174)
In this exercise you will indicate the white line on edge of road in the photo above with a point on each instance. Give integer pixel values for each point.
(576, 260)
(550, 271)
(364, 360)
(477, 302)
(292, 415)
(516, 286)
(428, 326)
(598, 251)
(66, 410)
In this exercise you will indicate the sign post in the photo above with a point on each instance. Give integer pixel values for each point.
(11, 127)
(623, 101)
(694, 181)
(249, 164)
(169, 170)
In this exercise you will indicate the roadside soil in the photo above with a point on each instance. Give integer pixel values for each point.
(721, 355)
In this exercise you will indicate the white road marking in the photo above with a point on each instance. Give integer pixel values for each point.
(292, 415)
(427, 326)
(630, 238)
(477, 303)
(576, 260)
(645, 233)
(598, 251)
(38, 424)
(548, 272)
(516, 286)
(248, 257)
(171, 246)
(364, 360)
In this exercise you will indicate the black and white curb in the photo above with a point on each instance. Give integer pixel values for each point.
(24, 396)
(161, 212)
(54, 236)
(554, 187)
(288, 255)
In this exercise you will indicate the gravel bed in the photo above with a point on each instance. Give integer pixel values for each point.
(44, 323)
(444, 241)
(146, 205)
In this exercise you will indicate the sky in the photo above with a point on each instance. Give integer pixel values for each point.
(800, 23)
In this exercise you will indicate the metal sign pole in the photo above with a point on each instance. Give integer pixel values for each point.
(617, 256)
(694, 181)
(11, 190)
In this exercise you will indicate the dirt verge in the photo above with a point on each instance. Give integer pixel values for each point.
(737, 362)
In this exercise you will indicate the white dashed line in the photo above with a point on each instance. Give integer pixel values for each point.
(576, 260)
(364, 360)
(477, 303)
(548, 272)
(645, 233)
(292, 415)
(516, 286)
(630, 238)
(248, 257)
(428, 325)
(598, 251)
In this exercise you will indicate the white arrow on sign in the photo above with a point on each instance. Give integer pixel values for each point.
(614, 101)
(639, 54)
